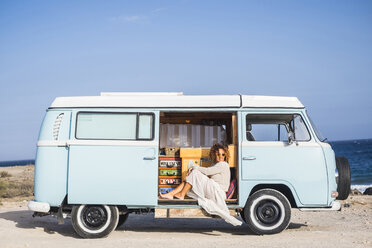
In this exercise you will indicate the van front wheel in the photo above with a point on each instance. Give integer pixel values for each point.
(94, 221)
(343, 184)
(267, 211)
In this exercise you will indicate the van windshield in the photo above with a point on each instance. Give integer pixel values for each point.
(317, 132)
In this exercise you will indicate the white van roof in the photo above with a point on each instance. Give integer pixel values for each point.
(174, 100)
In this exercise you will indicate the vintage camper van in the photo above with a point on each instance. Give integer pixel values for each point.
(100, 158)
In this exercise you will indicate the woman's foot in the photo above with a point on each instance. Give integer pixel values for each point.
(166, 196)
(179, 196)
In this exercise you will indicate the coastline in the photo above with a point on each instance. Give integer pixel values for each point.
(360, 188)
(23, 162)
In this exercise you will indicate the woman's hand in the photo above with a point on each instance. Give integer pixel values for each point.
(189, 171)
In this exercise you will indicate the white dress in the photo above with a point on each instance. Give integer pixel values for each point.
(210, 196)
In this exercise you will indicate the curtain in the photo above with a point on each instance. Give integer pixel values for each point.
(189, 135)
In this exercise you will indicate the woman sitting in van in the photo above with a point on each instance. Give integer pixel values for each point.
(208, 185)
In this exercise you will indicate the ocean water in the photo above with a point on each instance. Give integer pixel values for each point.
(359, 154)
(16, 162)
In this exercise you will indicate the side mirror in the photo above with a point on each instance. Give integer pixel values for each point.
(291, 138)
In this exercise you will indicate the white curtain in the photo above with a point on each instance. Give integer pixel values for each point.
(189, 135)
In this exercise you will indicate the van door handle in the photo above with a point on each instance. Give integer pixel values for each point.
(149, 158)
(65, 144)
(249, 158)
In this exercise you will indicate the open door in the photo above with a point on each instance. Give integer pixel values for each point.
(186, 138)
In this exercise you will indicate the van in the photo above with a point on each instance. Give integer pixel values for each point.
(101, 158)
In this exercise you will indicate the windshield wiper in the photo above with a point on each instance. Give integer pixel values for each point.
(325, 140)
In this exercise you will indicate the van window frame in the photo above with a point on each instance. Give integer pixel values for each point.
(138, 114)
(289, 125)
(307, 128)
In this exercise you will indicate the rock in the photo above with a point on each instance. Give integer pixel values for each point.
(368, 191)
(355, 192)
(347, 205)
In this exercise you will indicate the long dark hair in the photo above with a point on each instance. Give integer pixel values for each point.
(214, 150)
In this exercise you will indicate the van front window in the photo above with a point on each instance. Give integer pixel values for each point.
(276, 127)
(317, 132)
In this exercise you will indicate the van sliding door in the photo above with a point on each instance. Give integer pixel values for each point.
(113, 158)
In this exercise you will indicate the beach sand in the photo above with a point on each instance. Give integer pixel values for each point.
(350, 227)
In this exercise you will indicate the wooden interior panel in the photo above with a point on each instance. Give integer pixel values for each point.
(234, 121)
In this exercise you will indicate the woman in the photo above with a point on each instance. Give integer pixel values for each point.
(208, 185)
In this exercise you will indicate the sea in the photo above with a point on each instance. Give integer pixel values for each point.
(358, 152)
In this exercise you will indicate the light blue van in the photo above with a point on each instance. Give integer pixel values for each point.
(98, 157)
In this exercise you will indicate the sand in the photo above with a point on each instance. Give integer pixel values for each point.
(350, 227)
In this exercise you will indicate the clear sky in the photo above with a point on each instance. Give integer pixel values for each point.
(319, 51)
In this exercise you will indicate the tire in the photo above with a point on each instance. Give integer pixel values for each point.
(94, 221)
(122, 219)
(267, 211)
(344, 181)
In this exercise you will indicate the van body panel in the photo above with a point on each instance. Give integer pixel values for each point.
(114, 172)
(50, 175)
(301, 164)
(51, 158)
(112, 175)
(49, 124)
(297, 165)
(330, 158)
(246, 187)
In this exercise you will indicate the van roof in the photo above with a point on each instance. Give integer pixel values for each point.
(175, 100)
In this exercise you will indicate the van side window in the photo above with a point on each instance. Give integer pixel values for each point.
(274, 127)
(268, 132)
(114, 126)
(145, 126)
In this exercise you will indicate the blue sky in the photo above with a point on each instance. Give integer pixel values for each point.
(319, 51)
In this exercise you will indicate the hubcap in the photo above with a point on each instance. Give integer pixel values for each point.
(268, 212)
(94, 217)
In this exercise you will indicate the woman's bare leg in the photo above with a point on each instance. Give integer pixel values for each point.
(181, 194)
(170, 194)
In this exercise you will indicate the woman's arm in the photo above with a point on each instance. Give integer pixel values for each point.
(210, 171)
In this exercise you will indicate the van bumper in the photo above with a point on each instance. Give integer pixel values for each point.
(336, 206)
(41, 207)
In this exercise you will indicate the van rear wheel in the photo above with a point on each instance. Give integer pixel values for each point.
(94, 221)
(267, 211)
